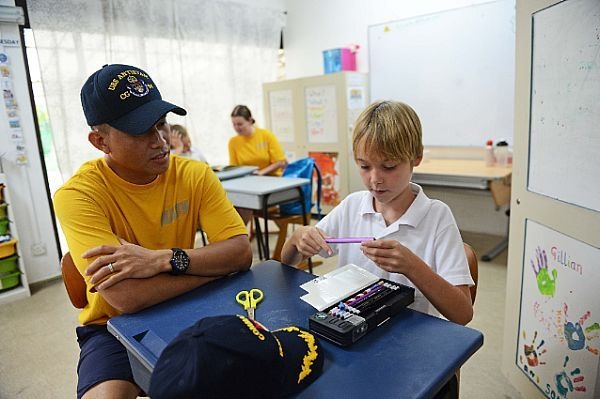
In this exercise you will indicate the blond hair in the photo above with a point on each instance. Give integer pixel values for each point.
(182, 132)
(391, 129)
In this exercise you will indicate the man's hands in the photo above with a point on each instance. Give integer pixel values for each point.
(128, 261)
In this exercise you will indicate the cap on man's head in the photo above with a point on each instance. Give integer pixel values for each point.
(235, 357)
(126, 98)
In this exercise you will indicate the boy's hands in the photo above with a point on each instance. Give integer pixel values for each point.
(389, 255)
(310, 240)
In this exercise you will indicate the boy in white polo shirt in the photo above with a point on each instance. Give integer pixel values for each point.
(417, 241)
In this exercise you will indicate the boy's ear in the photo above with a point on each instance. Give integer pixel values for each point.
(417, 161)
(98, 140)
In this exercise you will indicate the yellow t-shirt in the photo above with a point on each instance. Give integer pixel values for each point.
(260, 149)
(96, 207)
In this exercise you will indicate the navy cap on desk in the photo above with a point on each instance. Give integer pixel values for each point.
(235, 357)
(126, 98)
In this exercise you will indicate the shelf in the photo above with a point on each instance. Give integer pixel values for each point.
(21, 291)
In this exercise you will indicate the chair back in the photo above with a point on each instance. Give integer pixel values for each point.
(304, 168)
(473, 268)
(74, 282)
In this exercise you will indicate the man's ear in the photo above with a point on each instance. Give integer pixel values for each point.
(98, 140)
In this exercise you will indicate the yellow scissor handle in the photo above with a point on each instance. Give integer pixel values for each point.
(249, 299)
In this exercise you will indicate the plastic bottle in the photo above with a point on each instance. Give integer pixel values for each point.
(488, 156)
(502, 153)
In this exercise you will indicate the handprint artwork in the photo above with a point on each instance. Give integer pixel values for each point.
(546, 283)
(533, 353)
(569, 381)
(575, 334)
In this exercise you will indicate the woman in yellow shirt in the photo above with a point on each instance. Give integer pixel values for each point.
(254, 146)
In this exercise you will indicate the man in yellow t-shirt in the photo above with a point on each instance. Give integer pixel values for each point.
(130, 220)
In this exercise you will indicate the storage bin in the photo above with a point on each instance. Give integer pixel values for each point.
(11, 280)
(339, 59)
(8, 248)
(3, 213)
(3, 226)
(9, 264)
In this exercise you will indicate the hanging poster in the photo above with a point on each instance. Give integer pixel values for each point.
(282, 115)
(559, 327)
(321, 114)
(330, 173)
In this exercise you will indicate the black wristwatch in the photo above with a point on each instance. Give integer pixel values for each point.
(180, 261)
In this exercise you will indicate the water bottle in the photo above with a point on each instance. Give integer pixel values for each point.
(488, 155)
(502, 153)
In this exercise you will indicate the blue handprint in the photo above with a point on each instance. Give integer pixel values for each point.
(545, 283)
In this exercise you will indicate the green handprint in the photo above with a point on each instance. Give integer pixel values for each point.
(545, 283)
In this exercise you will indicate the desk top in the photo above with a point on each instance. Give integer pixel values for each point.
(262, 185)
(411, 356)
(462, 167)
(231, 172)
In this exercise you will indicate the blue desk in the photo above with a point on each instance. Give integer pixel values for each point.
(411, 356)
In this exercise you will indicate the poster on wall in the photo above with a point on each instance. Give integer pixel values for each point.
(559, 328)
(321, 114)
(330, 173)
(281, 112)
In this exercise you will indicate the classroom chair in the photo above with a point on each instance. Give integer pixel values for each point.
(473, 268)
(74, 282)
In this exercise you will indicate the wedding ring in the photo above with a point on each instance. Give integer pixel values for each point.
(111, 268)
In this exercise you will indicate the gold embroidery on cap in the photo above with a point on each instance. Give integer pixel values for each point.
(311, 355)
(252, 328)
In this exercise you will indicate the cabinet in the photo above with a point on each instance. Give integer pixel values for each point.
(314, 116)
(8, 291)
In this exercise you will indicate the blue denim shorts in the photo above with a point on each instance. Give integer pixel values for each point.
(102, 357)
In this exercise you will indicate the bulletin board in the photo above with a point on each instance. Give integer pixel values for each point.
(565, 105)
(281, 113)
(559, 328)
(321, 114)
(455, 68)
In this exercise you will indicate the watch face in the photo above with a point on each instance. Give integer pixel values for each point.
(180, 261)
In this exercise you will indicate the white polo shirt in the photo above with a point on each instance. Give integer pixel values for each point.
(427, 228)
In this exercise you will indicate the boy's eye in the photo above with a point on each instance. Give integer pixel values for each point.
(389, 167)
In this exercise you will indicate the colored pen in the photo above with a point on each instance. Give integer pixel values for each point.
(348, 240)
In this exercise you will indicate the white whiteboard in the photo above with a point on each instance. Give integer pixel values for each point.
(455, 68)
(564, 144)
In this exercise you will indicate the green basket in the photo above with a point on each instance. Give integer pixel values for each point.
(9, 281)
(3, 226)
(9, 264)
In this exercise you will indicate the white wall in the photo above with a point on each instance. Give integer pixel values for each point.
(313, 26)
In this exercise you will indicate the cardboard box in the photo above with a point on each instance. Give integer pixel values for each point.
(339, 59)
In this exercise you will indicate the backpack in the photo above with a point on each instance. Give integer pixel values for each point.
(303, 168)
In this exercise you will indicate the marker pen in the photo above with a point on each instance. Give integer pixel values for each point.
(348, 240)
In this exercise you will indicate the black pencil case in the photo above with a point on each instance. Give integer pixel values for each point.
(344, 324)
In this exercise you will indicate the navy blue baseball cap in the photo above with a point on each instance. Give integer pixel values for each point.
(235, 357)
(126, 98)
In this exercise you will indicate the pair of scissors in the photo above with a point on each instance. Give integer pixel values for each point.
(249, 300)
